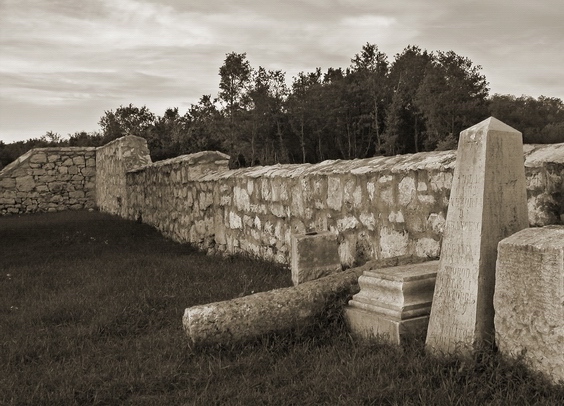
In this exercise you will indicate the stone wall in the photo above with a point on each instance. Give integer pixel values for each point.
(176, 197)
(380, 207)
(48, 180)
(113, 161)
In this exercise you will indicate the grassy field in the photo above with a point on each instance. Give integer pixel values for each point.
(90, 313)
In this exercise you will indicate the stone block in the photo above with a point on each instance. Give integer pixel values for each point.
(7, 183)
(53, 157)
(79, 160)
(38, 158)
(25, 183)
(314, 255)
(529, 299)
(393, 302)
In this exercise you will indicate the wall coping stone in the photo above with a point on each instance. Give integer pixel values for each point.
(542, 153)
(433, 160)
(22, 158)
(202, 157)
(120, 140)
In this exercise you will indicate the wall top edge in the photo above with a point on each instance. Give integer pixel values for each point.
(535, 155)
(203, 157)
(122, 139)
(22, 158)
(541, 153)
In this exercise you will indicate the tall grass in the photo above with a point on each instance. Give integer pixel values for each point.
(90, 313)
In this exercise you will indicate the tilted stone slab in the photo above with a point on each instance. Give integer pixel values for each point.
(488, 202)
(529, 298)
(314, 255)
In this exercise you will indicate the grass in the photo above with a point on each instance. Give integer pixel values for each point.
(90, 313)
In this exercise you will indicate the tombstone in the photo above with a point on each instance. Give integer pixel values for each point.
(314, 255)
(488, 202)
(529, 299)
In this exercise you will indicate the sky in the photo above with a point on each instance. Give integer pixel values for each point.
(63, 63)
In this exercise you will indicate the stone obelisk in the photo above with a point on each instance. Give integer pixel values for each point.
(488, 202)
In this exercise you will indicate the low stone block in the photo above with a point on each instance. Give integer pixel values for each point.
(25, 183)
(7, 183)
(529, 299)
(314, 255)
(38, 158)
(394, 302)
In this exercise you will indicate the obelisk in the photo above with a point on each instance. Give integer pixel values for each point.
(488, 202)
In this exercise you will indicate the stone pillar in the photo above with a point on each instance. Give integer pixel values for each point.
(529, 299)
(314, 255)
(113, 161)
(488, 202)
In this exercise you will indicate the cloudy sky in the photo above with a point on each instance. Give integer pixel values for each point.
(64, 62)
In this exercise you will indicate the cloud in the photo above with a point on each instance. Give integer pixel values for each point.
(98, 54)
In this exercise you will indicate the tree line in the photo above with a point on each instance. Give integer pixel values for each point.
(420, 101)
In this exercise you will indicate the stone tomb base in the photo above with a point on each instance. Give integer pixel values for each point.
(393, 302)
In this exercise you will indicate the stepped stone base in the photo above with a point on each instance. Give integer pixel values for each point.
(393, 302)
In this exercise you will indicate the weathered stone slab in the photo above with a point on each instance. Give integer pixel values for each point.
(488, 202)
(314, 255)
(529, 298)
(393, 302)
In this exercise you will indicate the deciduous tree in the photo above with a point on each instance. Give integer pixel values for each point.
(452, 97)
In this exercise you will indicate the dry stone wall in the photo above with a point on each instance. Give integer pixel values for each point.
(380, 207)
(48, 180)
(175, 197)
(113, 161)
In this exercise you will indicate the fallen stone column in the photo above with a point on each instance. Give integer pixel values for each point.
(277, 310)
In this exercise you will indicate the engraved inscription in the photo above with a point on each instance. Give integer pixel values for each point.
(467, 201)
(461, 225)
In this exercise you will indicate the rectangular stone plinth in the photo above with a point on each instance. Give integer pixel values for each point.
(529, 299)
(401, 292)
(314, 255)
(393, 302)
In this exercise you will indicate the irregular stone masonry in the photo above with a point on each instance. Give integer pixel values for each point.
(113, 161)
(380, 207)
(48, 180)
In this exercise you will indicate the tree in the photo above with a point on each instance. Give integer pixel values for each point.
(540, 120)
(404, 122)
(52, 139)
(129, 120)
(204, 127)
(235, 79)
(84, 139)
(452, 96)
(369, 71)
(304, 114)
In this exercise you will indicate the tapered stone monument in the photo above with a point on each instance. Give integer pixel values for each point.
(488, 202)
